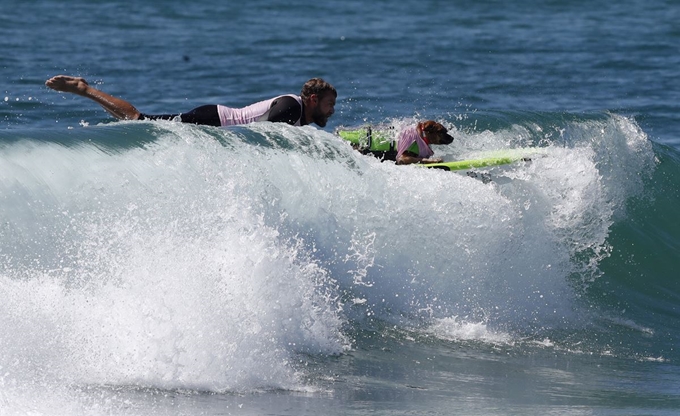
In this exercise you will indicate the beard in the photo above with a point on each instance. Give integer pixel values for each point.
(319, 118)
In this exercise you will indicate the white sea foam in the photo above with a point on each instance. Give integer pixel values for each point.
(455, 329)
(209, 259)
(135, 270)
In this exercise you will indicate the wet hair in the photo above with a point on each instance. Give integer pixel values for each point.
(317, 86)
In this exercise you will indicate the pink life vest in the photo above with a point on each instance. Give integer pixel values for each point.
(407, 137)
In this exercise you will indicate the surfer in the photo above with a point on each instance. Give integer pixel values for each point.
(423, 135)
(315, 104)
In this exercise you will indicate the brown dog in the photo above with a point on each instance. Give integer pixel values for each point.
(409, 145)
(413, 143)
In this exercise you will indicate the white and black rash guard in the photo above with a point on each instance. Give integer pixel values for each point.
(282, 109)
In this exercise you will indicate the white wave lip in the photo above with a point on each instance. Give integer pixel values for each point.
(139, 275)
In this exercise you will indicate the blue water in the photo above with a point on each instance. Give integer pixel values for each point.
(154, 268)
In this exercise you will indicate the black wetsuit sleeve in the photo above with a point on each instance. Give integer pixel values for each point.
(205, 115)
(284, 109)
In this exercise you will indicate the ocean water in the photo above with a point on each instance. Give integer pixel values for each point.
(155, 268)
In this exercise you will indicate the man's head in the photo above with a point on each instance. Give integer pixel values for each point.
(436, 133)
(319, 98)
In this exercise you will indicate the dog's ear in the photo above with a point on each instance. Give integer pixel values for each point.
(431, 126)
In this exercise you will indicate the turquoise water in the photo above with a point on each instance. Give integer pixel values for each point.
(157, 268)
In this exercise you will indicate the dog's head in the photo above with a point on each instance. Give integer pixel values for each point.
(436, 133)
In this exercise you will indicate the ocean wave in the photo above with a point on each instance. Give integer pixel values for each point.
(177, 256)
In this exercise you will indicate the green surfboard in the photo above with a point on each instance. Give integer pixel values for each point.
(499, 158)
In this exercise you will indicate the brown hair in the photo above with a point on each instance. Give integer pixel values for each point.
(317, 86)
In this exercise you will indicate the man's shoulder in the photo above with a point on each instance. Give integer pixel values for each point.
(285, 108)
(287, 99)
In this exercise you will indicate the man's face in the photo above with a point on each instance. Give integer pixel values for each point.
(325, 107)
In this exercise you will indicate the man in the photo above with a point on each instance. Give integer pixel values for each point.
(315, 104)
